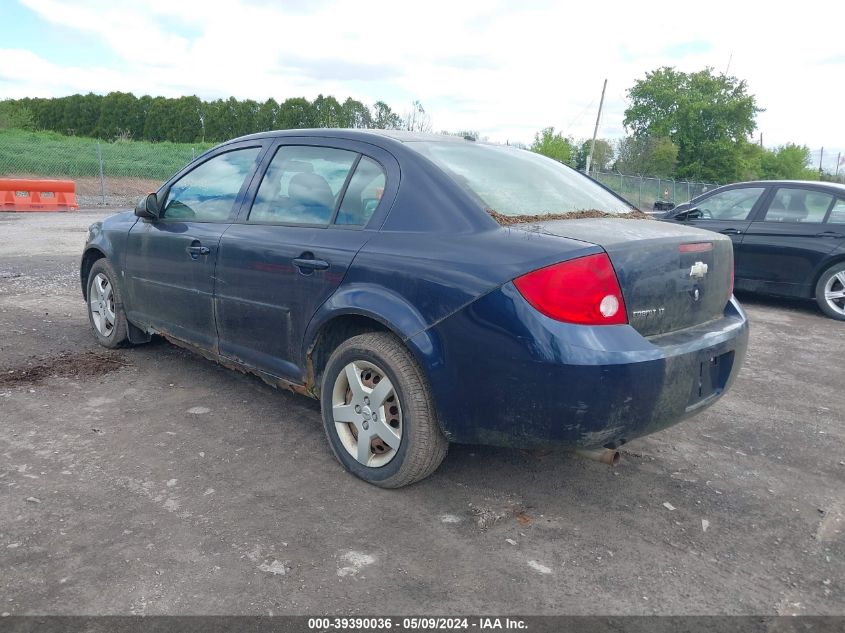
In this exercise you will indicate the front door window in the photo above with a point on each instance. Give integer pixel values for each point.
(208, 192)
(731, 205)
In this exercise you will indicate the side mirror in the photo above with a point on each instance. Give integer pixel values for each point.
(148, 207)
(687, 214)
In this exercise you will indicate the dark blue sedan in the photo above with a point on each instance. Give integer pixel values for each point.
(426, 290)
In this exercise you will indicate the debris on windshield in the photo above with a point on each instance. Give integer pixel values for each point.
(506, 220)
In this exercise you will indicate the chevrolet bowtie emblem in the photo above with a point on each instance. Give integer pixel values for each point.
(698, 270)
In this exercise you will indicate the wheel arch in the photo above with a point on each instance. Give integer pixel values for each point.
(838, 258)
(89, 257)
(329, 336)
(357, 310)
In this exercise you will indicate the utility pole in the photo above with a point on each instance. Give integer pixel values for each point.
(838, 161)
(821, 156)
(596, 130)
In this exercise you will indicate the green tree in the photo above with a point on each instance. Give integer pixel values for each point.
(602, 155)
(245, 113)
(265, 118)
(80, 114)
(646, 156)
(356, 114)
(217, 123)
(15, 115)
(384, 118)
(296, 113)
(185, 124)
(118, 115)
(328, 112)
(788, 162)
(709, 117)
(554, 145)
(145, 102)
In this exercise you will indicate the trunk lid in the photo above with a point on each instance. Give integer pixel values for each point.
(672, 277)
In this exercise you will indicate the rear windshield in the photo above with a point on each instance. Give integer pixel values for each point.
(515, 182)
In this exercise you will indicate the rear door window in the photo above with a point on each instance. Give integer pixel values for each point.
(791, 204)
(363, 194)
(302, 185)
(837, 213)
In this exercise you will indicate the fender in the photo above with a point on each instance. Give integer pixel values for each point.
(834, 257)
(371, 301)
(387, 308)
(107, 238)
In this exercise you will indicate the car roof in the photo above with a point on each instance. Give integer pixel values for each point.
(818, 183)
(402, 136)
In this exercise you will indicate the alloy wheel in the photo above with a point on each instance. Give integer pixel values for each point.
(101, 304)
(834, 292)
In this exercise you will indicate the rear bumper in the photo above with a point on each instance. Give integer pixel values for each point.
(504, 374)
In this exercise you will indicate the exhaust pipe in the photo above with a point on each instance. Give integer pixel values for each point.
(607, 456)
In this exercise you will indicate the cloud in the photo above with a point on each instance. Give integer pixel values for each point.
(468, 62)
(337, 69)
(505, 69)
(685, 49)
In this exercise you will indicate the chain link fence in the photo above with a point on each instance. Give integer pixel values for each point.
(118, 173)
(643, 192)
(106, 173)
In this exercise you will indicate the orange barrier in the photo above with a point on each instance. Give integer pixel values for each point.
(17, 194)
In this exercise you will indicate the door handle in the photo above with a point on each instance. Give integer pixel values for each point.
(829, 234)
(731, 232)
(196, 251)
(310, 264)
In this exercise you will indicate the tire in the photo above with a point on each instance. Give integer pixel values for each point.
(830, 292)
(105, 306)
(401, 441)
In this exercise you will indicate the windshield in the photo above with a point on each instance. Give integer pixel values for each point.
(515, 182)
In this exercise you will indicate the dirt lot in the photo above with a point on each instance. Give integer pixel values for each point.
(152, 481)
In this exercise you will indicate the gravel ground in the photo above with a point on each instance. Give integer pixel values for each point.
(151, 481)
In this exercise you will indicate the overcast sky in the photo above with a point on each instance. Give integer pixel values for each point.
(505, 69)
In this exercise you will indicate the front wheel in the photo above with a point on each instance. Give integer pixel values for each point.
(378, 413)
(830, 291)
(105, 306)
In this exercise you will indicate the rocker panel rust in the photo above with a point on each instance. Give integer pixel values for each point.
(307, 389)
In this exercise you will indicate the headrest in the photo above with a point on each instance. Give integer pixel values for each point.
(311, 190)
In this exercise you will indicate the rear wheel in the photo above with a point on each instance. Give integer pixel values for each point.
(378, 413)
(830, 291)
(105, 306)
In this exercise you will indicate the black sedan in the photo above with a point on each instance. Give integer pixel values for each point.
(427, 290)
(789, 236)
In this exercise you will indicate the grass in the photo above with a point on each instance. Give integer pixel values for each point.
(54, 155)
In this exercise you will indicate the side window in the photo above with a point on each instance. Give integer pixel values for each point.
(798, 205)
(837, 213)
(734, 204)
(363, 194)
(302, 185)
(207, 193)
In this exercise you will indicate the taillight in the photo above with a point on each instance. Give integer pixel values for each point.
(583, 290)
